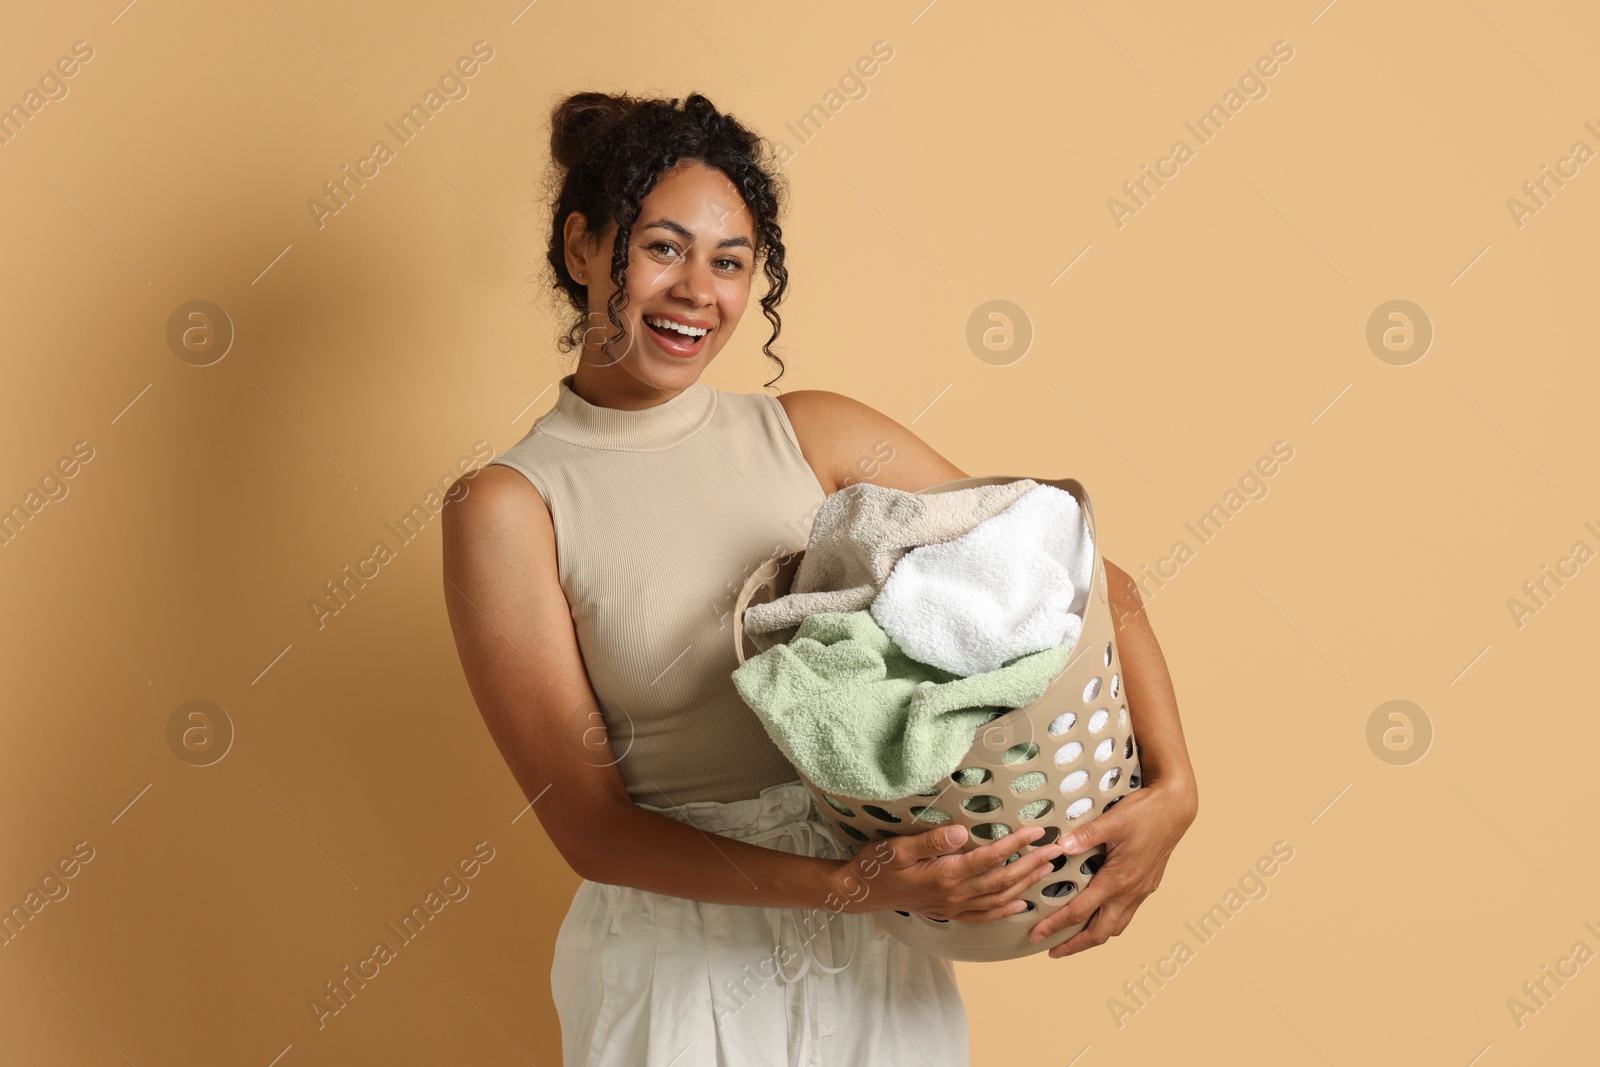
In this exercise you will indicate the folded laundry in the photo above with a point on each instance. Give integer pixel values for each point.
(1017, 583)
(857, 536)
(861, 719)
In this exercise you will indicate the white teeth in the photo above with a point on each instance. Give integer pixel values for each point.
(668, 324)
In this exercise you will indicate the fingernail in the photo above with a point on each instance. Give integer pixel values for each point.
(1068, 843)
(1036, 938)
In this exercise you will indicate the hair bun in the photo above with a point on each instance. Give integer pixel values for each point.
(579, 120)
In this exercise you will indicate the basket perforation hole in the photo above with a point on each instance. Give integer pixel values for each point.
(887, 833)
(981, 803)
(1091, 690)
(1104, 750)
(1097, 721)
(836, 806)
(930, 815)
(1068, 752)
(1127, 749)
(1020, 753)
(1108, 653)
(1109, 779)
(991, 831)
(853, 832)
(879, 814)
(1058, 889)
(1036, 809)
(1092, 864)
(1074, 781)
(1062, 723)
(1049, 835)
(1077, 808)
(1027, 783)
(972, 776)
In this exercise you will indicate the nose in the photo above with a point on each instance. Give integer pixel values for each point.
(693, 282)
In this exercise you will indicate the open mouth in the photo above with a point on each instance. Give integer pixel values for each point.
(678, 344)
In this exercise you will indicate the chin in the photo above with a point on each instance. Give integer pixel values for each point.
(670, 372)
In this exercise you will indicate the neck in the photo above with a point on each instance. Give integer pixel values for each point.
(611, 385)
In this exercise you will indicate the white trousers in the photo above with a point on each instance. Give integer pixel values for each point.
(644, 979)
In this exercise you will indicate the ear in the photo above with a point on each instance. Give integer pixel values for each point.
(578, 246)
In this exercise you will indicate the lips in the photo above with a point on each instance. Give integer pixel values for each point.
(677, 344)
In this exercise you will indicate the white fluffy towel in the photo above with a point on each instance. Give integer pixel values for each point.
(1018, 582)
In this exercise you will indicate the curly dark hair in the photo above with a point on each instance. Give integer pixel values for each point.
(608, 151)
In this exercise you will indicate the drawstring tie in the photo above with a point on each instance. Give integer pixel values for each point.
(788, 934)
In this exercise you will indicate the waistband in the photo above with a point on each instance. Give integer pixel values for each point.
(776, 805)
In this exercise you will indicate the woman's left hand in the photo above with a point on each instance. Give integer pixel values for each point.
(1140, 832)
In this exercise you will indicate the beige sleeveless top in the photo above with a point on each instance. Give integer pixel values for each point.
(660, 515)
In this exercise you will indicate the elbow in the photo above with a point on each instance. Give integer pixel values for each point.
(588, 845)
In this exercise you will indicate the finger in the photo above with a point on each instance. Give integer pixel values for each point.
(1076, 910)
(907, 849)
(937, 842)
(1106, 828)
(988, 857)
(1107, 922)
(1007, 881)
(1008, 893)
(984, 915)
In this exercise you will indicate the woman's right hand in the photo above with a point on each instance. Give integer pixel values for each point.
(928, 874)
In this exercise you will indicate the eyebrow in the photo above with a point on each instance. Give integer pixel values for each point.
(682, 231)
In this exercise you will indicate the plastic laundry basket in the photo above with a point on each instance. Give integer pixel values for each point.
(1057, 762)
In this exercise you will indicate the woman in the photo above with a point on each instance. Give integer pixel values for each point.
(589, 576)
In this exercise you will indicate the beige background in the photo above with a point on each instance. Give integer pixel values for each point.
(1227, 314)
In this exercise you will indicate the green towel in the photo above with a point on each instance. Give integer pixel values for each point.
(860, 718)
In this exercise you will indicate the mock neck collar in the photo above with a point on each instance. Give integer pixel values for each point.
(651, 429)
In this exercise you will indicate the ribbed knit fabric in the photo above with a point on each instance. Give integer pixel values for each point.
(660, 515)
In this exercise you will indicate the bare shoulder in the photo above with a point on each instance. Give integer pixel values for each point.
(495, 509)
(493, 489)
(846, 441)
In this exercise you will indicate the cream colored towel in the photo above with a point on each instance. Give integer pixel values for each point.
(858, 535)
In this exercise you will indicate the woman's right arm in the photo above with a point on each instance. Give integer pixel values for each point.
(518, 648)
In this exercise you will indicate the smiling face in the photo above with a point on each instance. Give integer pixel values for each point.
(691, 258)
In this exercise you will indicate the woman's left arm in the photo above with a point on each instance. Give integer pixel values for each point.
(1142, 829)
(846, 441)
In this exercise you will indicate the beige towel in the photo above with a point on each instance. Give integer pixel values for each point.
(858, 535)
